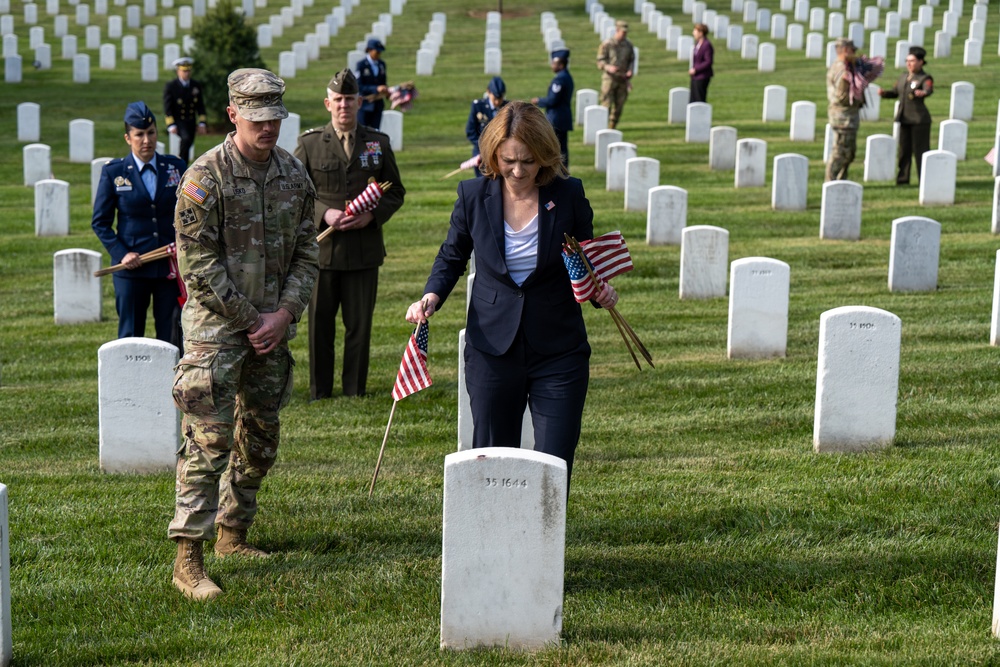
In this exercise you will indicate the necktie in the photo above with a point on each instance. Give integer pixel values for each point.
(345, 140)
(148, 175)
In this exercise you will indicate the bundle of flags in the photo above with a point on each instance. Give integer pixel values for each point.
(175, 273)
(865, 71)
(473, 161)
(402, 96)
(607, 255)
(367, 200)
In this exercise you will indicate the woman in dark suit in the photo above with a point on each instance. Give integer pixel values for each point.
(701, 63)
(526, 343)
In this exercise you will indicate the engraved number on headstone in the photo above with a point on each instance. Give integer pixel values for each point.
(143, 358)
(862, 325)
(760, 272)
(506, 483)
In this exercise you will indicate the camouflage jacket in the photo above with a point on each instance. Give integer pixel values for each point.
(842, 113)
(620, 54)
(241, 251)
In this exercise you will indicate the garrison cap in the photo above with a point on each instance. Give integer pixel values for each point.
(561, 54)
(844, 43)
(183, 63)
(256, 94)
(344, 82)
(139, 116)
(621, 24)
(497, 86)
(918, 52)
(374, 44)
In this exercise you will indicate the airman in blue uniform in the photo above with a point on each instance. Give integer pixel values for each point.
(482, 112)
(370, 73)
(558, 101)
(142, 189)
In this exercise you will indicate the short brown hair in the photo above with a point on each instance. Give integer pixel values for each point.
(526, 123)
(702, 28)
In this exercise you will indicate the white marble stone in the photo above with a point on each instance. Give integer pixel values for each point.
(81, 68)
(619, 153)
(814, 45)
(107, 57)
(803, 126)
(37, 160)
(995, 338)
(872, 19)
(801, 11)
(789, 182)
(872, 108)
(641, 175)
(877, 44)
(6, 640)
(287, 65)
(76, 292)
(29, 119)
(150, 67)
(595, 118)
(92, 39)
(977, 30)
(301, 55)
(840, 211)
(827, 143)
(60, 26)
(81, 140)
(937, 179)
(704, 262)
(856, 33)
(817, 19)
(758, 308)
(915, 36)
(585, 97)
(915, 248)
(835, 25)
(775, 102)
(425, 62)
(779, 26)
(748, 48)
(973, 56)
(722, 148)
(763, 19)
(677, 105)
(130, 48)
(96, 166)
(892, 25)
(139, 424)
(953, 136)
(288, 135)
(751, 163)
(43, 57)
(880, 158)
(12, 69)
(905, 9)
(392, 124)
(171, 52)
(666, 216)
(995, 225)
(795, 39)
(698, 125)
(750, 11)
(504, 532)
(51, 207)
(766, 57)
(857, 379)
(36, 36)
(942, 44)
(604, 139)
(902, 50)
(493, 63)
(734, 38)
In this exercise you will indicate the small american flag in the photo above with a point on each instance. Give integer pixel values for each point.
(608, 256)
(366, 201)
(413, 375)
(551, 205)
(194, 192)
(584, 288)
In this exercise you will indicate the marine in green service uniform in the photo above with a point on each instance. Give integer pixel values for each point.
(912, 89)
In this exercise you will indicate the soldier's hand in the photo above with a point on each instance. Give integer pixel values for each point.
(349, 222)
(271, 331)
(332, 217)
(131, 260)
(172, 129)
(202, 128)
(611, 69)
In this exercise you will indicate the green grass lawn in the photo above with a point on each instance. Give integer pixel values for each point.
(702, 528)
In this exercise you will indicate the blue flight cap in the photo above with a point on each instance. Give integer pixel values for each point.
(139, 116)
(375, 44)
(561, 54)
(497, 87)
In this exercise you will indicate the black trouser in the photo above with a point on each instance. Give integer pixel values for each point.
(914, 141)
(132, 297)
(563, 136)
(699, 90)
(186, 131)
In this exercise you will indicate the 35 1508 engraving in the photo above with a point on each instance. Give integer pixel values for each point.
(142, 358)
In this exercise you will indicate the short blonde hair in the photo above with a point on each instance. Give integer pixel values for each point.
(526, 123)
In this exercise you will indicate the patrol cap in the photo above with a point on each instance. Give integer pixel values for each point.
(183, 63)
(622, 25)
(561, 54)
(844, 43)
(375, 44)
(918, 52)
(139, 116)
(497, 86)
(256, 94)
(344, 82)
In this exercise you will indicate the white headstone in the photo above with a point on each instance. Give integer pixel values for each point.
(81, 68)
(51, 207)
(139, 424)
(171, 52)
(758, 308)
(840, 211)
(937, 179)
(37, 160)
(902, 50)
(43, 57)
(286, 64)
(766, 57)
(107, 56)
(916, 34)
(169, 27)
(915, 248)
(504, 532)
(795, 37)
(36, 36)
(973, 53)
(779, 26)
(814, 45)
(953, 137)
(619, 153)
(12, 70)
(585, 97)
(835, 25)
(425, 62)
(685, 45)
(699, 123)
(493, 62)
(905, 9)
(748, 48)
(880, 158)
(677, 105)
(604, 139)
(96, 166)
(942, 44)
(301, 55)
(130, 47)
(704, 262)
(288, 135)
(392, 124)
(734, 37)
(775, 101)
(995, 340)
(763, 19)
(751, 163)
(81, 140)
(949, 23)
(30, 13)
(150, 67)
(76, 291)
(877, 44)
(827, 143)
(789, 182)
(722, 148)
(29, 128)
(115, 27)
(803, 127)
(995, 225)
(872, 19)
(857, 379)
(892, 25)
(817, 19)
(595, 118)
(6, 641)
(150, 37)
(666, 216)
(641, 175)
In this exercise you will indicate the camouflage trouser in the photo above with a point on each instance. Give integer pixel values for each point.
(230, 398)
(845, 144)
(613, 96)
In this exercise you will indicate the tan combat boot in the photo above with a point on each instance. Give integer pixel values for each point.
(189, 572)
(233, 541)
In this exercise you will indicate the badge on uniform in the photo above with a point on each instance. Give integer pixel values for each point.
(194, 193)
(373, 149)
(122, 184)
(173, 176)
(364, 160)
(556, 87)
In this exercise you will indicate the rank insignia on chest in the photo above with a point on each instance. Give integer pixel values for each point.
(173, 176)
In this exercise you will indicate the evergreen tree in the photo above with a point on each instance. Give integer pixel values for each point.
(224, 42)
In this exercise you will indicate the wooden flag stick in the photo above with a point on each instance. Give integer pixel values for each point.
(451, 173)
(371, 489)
(635, 338)
(151, 256)
(329, 230)
(617, 318)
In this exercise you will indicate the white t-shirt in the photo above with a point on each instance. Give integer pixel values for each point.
(521, 250)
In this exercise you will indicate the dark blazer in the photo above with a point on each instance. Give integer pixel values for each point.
(702, 61)
(558, 102)
(144, 224)
(912, 109)
(543, 307)
(369, 79)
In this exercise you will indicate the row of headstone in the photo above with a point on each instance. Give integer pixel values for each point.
(430, 46)
(492, 53)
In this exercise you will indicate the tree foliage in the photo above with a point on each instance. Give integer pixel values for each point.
(224, 42)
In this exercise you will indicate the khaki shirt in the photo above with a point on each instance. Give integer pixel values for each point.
(842, 113)
(243, 250)
(339, 179)
(620, 54)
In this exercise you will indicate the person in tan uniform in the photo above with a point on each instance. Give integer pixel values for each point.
(913, 117)
(844, 113)
(615, 58)
(342, 157)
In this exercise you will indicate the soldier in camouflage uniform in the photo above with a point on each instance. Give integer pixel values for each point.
(248, 255)
(844, 114)
(615, 58)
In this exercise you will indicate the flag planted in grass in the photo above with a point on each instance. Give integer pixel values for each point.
(607, 255)
(413, 375)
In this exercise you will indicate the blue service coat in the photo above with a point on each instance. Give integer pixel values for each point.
(369, 79)
(144, 223)
(558, 102)
(480, 114)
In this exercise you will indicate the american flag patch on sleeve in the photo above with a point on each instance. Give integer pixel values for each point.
(194, 193)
